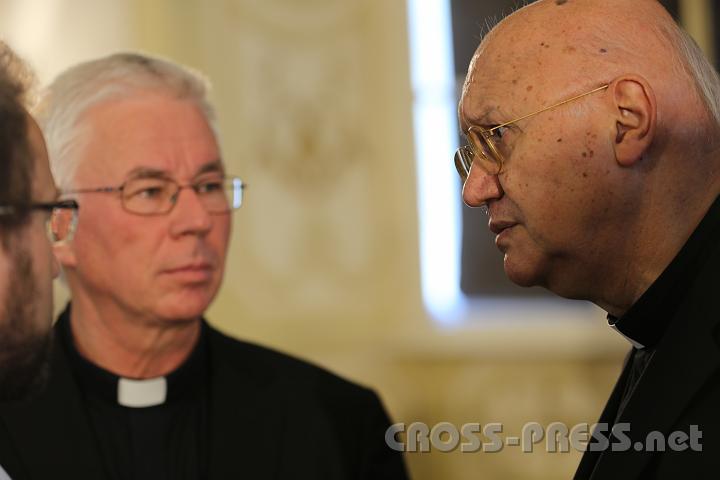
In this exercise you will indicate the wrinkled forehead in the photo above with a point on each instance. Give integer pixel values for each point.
(498, 68)
(519, 65)
(155, 133)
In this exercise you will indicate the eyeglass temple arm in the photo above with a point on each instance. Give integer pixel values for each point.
(93, 190)
(48, 207)
(548, 108)
(63, 204)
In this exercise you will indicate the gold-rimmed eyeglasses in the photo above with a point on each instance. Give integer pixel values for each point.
(482, 148)
(61, 221)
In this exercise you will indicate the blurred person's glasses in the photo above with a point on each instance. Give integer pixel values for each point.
(482, 148)
(158, 195)
(62, 217)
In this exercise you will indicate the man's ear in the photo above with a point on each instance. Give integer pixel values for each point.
(65, 254)
(635, 118)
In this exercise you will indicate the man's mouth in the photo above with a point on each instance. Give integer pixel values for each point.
(497, 227)
(193, 272)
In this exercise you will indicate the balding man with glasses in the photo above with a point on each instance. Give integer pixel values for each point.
(142, 386)
(593, 140)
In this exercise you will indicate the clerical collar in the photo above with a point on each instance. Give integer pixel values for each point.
(647, 320)
(186, 380)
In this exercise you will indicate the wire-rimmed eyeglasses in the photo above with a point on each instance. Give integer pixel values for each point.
(157, 195)
(62, 217)
(482, 148)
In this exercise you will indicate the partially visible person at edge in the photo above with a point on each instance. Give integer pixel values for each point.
(28, 204)
(142, 386)
(593, 129)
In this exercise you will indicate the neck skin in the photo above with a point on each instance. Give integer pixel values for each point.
(667, 217)
(128, 345)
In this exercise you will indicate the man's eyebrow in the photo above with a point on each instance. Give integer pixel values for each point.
(211, 167)
(148, 172)
(485, 119)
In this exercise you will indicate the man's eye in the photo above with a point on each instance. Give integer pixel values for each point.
(147, 189)
(499, 132)
(209, 187)
(150, 192)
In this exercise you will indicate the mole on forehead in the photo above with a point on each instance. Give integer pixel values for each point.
(560, 2)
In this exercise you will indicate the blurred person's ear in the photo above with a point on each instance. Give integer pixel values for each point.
(65, 254)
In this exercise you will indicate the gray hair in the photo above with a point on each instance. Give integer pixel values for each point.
(707, 81)
(78, 89)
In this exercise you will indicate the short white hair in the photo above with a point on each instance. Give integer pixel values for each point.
(121, 75)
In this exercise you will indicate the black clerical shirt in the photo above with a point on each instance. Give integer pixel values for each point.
(647, 320)
(161, 442)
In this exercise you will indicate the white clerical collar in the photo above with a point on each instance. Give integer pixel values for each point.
(632, 341)
(142, 393)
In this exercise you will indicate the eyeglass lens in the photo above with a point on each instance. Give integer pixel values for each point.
(158, 195)
(61, 225)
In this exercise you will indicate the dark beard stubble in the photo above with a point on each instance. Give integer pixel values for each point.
(25, 347)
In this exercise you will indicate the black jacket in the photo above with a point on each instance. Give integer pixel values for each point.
(680, 386)
(270, 417)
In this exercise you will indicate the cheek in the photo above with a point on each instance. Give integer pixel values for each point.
(533, 183)
(108, 244)
(219, 237)
(551, 191)
(4, 279)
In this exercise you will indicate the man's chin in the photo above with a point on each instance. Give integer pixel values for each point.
(180, 305)
(524, 274)
(178, 313)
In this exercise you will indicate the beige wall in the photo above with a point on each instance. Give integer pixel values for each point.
(698, 22)
(315, 109)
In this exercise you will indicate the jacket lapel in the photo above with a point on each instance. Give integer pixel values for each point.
(590, 458)
(52, 434)
(246, 416)
(684, 360)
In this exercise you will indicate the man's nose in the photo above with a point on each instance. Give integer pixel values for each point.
(189, 215)
(481, 187)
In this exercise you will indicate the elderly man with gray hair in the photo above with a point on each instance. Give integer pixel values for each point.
(142, 386)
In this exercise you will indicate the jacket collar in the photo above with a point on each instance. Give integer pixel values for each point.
(647, 320)
(685, 357)
(684, 361)
(247, 414)
(246, 419)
